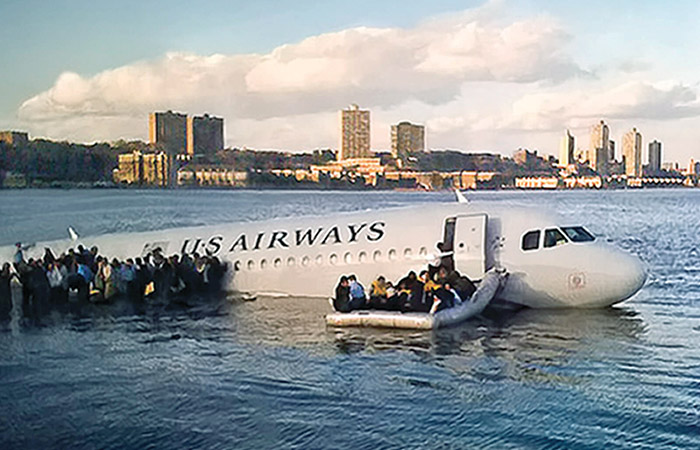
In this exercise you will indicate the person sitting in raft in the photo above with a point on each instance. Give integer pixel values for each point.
(456, 299)
(416, 299)
(341, 301)
(429, 283)
(358, 298)
(399, 300)
(378, 293)
(443, 297)
(462, 284)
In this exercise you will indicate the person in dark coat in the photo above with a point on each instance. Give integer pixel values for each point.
(5, 290)
(341, 302)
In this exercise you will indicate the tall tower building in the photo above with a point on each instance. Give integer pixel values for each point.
(168, 129)
(407, 138)
(654, 157)
(611, 154)
(632, 152)
(600, 144)
(205, 135)
(354, 133)
(566, 149)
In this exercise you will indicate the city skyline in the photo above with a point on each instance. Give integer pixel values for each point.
(496, 76)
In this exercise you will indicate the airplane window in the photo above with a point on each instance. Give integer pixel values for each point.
(263, 264)
(578, 234)
(333, 259)
(553, 237)
(251, 265)
(423, 251)
(377, 255)
(278, 262)
(362, 257)
(531, 240)
(237, 266)
(291, 261)
(407, 253)
(392, 254)
(319, 259)
(305, 261)
(347, 258)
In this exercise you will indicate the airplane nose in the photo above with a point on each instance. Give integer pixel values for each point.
(630, 275)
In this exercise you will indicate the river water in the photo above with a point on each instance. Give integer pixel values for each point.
(227, 373)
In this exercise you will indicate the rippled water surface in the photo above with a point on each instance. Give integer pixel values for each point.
(227, 373)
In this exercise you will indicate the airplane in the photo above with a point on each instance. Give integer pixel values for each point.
(550, 263)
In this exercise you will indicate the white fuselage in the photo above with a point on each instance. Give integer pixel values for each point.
(305, 256)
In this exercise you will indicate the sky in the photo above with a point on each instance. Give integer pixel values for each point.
(481, 75)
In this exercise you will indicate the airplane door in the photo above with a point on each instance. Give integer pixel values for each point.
(470, 245)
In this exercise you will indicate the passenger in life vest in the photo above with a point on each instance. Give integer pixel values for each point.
(378, 293)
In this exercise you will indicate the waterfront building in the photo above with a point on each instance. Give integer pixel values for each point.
(212, 176)
(670, 166)
(654, 157)
(537, 182)
(18, 139)
(632, 152)
(406, 139)
(354, 133)
(168, 130)
(600, 139)
(205, 135)
(129, 168)
(566, 149)
(143, 168)
(441, 180)
(368, 168)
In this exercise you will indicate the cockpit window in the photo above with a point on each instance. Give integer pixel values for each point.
(553, 237)
(531, 240)
(578, 234)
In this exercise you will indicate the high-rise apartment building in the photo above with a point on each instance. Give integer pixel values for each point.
(17, 139)
(600, 139)
(654, 157)
(632, 152)
(205, 135)
(169, 130)
(354, 133)
(407, 138)
(566, 149)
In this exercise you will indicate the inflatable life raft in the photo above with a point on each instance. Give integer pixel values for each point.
(487, 290)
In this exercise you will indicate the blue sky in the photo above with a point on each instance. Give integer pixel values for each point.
(482, 76)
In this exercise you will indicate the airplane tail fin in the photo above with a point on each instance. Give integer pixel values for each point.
(73, 235)
(460, 197)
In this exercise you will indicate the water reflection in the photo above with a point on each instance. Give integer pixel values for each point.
(537, 337)
(143, 316)
(550, 333)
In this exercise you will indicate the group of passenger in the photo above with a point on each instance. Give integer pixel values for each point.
(434, 289)
(94, 277)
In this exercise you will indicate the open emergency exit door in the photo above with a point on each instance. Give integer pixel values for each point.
(466, 237)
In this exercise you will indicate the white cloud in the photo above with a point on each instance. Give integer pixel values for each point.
(566, 106)
(630, 100)
(478, 80)
(374, 67)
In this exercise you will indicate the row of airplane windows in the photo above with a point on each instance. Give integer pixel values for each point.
(333, 259)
